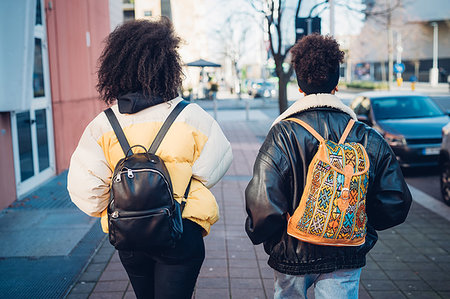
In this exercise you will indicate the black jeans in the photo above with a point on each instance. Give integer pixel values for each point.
(168, 274)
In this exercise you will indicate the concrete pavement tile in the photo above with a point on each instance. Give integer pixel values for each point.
(245, 283)
(423, 266)
(111, 286)
(371, 265)
(413, 258)
(386, 294)
(373, 275)
(244, 272)
(444, 294)
(106, 295)
(424, 295)
(214, 272)
(211, 293)
(444, 266)
(396, 275)
(442, 259)
(211, 262)
(242, 254)
(434, 274)
(95, 267)
(90, 276)
(378, 285)
(362, 293)
(215, 254)
(439, 285)
(443, 243)
(248, 294)
(114, 275)
(101, 258)
(244, 263)
(266, 271)
(129, 295)
(269, 287)
(433, 251)
(83, 288)
(412, 285)
(387, 257)
(114, 266)
(212, 283)
(77, 296)
(381, 247)
(391, 265)
(115, 257)
(238, 245)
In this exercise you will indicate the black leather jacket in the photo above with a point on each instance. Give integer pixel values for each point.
(280, 176)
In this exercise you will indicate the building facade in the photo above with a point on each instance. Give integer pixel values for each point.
(406, 34)
(47, 82)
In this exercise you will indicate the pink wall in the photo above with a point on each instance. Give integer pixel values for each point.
(7, 177)
(73, 69)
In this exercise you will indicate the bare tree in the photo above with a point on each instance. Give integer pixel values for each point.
(273, 12)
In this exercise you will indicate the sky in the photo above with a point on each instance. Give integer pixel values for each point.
(347, 21)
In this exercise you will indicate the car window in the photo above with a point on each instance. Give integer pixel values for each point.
(404, 107)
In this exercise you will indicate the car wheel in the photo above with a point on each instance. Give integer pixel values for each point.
(445, 182)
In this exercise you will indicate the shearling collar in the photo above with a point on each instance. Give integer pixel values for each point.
(314, 101)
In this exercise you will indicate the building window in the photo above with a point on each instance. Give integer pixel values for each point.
(147, 13)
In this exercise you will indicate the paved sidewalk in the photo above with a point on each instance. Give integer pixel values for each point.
(409, 261)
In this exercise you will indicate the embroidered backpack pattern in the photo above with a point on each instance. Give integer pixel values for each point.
(332, 210)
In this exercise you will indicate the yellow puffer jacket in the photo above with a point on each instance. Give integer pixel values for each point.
(194, 146)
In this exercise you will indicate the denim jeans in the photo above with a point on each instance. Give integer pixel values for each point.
(340, 284)
(168, 274)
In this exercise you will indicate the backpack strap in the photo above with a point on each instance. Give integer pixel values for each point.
(185, 196)
(166, 125)
(346, 131)
(118, 130)
(307, 127)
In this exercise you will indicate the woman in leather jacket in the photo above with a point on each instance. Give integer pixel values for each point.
(279, 178)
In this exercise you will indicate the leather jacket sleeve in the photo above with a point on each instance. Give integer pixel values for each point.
(268, 193)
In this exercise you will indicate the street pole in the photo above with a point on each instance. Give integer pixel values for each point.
(399, 57)
(434, 72)
(331, 3)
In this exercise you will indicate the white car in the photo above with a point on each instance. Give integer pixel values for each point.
(444, 163)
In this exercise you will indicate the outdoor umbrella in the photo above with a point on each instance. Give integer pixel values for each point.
(203, 63)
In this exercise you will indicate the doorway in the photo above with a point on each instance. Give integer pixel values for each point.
(32, 130)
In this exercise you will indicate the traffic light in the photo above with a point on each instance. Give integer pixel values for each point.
(305, 26)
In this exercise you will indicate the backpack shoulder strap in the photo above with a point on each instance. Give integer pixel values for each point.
(307, 127)
(346, 131)
(118, 130)
(166, 125)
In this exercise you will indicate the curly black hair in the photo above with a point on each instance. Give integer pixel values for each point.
(141, 56)
(316, 61)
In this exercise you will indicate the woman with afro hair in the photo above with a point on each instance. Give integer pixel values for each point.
(139, 75)
(280, 176)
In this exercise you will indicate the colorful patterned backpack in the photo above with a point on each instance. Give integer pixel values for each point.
(332, 210)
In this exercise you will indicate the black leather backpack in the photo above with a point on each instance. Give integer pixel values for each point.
(142, 212)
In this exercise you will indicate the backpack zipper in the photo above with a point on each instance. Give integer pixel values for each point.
(130, 174)
(125, 214)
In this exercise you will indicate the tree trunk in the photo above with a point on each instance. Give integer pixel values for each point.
(282, 92)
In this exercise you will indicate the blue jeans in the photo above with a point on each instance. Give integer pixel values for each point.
(340, 284)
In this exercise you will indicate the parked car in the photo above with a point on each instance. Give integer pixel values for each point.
(411, 123)
(444, 164)
(262, 89)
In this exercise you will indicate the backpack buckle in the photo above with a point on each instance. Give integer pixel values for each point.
(345, 193)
